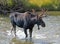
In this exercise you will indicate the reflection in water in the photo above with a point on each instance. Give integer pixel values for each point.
(28, 41)
(18, 41)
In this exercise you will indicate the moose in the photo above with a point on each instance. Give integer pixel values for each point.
(26, 20)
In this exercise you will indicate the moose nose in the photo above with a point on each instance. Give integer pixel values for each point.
(43, 25)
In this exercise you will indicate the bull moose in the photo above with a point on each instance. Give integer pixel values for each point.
(26, 21)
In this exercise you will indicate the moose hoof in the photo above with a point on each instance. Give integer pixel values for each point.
(26, 36)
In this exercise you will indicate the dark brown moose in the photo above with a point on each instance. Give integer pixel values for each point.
(26, 21)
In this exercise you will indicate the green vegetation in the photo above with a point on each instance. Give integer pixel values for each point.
(49, 4)
(28, 4)
(7, 6)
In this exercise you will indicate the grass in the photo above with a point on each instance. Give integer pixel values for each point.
(53, 13)
(4, 18)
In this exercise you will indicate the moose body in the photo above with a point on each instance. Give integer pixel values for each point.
(26, 21)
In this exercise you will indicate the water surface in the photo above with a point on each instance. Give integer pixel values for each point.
(48, 35)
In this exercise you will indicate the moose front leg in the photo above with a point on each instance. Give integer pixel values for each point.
(25, 31)
(25, 27)
(30, 32)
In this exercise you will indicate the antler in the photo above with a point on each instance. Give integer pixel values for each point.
(33, 11)
(43, 11)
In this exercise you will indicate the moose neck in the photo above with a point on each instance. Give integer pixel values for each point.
(37, 21)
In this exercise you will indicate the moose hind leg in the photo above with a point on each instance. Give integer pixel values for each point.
(11, 29)
(14, 29)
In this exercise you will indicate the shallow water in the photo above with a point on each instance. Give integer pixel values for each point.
(48, 35)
